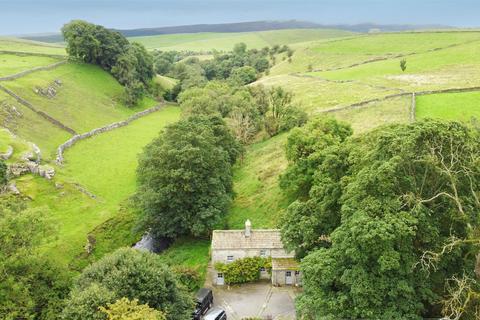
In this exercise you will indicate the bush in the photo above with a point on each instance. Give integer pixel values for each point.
(243, 270)
(187, 276)
(131, 274)
(3, 173)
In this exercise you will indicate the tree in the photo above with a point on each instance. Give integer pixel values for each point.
(401, 191)
(403, 64)
(282, 115)
(185, 178)
(31, 285)
(3, 173)
(243, 75)
(132, 274)
(125, 309)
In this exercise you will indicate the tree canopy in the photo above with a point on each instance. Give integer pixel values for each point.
(132, 274)
(369, 210)
(185, 178)
(31, 286)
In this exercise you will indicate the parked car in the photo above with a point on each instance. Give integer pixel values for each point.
(204, 301)
(216, 313)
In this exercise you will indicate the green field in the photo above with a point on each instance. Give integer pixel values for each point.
(11, 64)
(449, 106)
(21, 45)
(344, 53)
(225, 41)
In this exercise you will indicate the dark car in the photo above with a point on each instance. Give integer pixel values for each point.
(216, 313)
(204, 301)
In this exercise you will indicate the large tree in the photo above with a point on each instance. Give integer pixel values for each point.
(132, 274)
(398, 193)
(185, 177)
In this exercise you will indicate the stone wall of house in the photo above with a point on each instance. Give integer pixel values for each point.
(221, 255)
(279, 277)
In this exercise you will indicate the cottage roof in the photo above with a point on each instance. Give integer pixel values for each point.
(236, 239)
(284, 264)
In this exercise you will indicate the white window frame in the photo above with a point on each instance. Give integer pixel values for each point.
(230, 258)
(263, 253)
(220, 275)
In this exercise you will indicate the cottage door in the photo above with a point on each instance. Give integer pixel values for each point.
(220, 279)
(288, 278)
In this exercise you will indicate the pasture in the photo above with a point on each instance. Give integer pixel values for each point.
(209, 41)
(463, 106)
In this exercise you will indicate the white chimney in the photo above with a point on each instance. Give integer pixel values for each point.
(248, 228)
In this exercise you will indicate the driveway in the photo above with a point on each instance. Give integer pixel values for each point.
(256, 300)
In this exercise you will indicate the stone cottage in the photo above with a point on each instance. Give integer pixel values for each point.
(229, 245)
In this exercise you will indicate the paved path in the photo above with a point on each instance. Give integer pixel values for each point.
(256, 300)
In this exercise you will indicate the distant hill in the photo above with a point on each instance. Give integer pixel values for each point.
(250, 27)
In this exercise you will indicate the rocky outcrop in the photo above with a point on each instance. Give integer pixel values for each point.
(8, 154)
(50, 91)
(70, 142)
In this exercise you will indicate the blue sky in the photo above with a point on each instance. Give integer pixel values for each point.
(37, 16)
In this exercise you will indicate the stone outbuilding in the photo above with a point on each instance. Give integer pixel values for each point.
(230, 245)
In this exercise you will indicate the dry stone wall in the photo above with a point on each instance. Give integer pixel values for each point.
(40, 113)
(24, 73)
(70, 142)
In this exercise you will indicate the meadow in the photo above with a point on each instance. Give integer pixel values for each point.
(450, 106)
(206, 42)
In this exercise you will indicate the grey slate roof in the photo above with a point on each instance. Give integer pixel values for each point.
(235, 239)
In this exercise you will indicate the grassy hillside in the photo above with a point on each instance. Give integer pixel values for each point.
(20, 45)
(435, 61)
(30, 126)
(450, 106)
(226, 41)
(87, 98)
(105, 167)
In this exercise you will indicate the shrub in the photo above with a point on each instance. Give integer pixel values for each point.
(243, 270)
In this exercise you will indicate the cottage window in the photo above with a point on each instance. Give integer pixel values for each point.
(229, 258)
(288, 273)
(219, 275)
(297, 273)
(263, 253)
(262, 269)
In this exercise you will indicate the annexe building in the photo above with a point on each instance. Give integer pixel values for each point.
(230, 245)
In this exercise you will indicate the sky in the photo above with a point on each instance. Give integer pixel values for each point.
(45, 16)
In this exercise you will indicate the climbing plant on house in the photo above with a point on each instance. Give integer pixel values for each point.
(244, 270)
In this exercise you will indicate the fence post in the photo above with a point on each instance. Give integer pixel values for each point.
(413, 107)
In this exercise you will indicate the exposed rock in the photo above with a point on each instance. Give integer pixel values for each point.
(12, 187)
(58, 185)
(8, 154)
